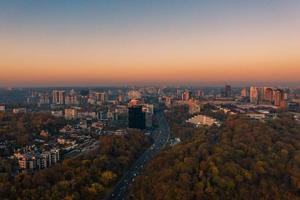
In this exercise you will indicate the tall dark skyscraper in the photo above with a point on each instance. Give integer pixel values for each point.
(227, 91)
(136, 117)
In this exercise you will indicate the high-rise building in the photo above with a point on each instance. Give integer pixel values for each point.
(185, 95)
(254, 93)
(268, 94)
(286, 94)
(136, 117)
(261, 95)
(44, 99)
(167, 101)
(58, 97)
(101, 97)
(71, 100)
(278, 96)
(228, 91)
(200, 93)
(245, 92)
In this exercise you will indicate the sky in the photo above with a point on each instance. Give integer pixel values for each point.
(117, 42)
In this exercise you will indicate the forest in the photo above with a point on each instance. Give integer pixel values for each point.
(21, 128)
(243, 159)
(90, 176)
(178, 115)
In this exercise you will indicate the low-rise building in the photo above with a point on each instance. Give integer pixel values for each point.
(44, 133)
(33, 160)
(257, 116)
(19, 110)
(2, 108)
(202, 120)
(194, 106)
(71, 113)
(58, 113)
(64, 141)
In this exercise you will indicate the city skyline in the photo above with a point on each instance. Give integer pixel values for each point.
(55, 43)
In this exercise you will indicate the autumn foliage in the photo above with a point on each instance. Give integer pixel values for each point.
(244, 159)
(87, 177)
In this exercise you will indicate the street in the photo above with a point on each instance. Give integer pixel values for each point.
(161, 137)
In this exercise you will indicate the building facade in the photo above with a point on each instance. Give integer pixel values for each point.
(136, 117)
(58, 97)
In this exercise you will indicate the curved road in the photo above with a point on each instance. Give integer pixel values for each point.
(161, 137)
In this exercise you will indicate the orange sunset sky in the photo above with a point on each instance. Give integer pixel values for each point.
(77, 43)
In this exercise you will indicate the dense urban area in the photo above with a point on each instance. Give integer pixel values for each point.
(150, 143)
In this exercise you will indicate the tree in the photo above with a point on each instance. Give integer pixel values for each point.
(107, 177)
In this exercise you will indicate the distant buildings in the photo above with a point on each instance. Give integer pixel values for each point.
(121, 98)
(57, 113)
(166, 100)
(71, 113)
(278, 97)
(19, 110)
(71, 98)
(228, 91)
(268, 96)
(101, 97)
(200, 93)
(185, 95)
(134, 94)
(97, 98)
(58, 97)
(254, 95)
(245, 92)
(193, 106)
(2, 108)
(44, 99)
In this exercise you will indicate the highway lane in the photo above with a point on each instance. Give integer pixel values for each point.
(161, 137)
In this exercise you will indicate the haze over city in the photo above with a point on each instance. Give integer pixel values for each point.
(149, 99)
(51, 43)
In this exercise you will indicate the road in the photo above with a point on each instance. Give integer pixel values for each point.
(161, 136)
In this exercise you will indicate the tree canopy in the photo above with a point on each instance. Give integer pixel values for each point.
(86, 177)
(244, 159)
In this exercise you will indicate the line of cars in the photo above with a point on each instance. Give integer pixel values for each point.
(161, 138)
